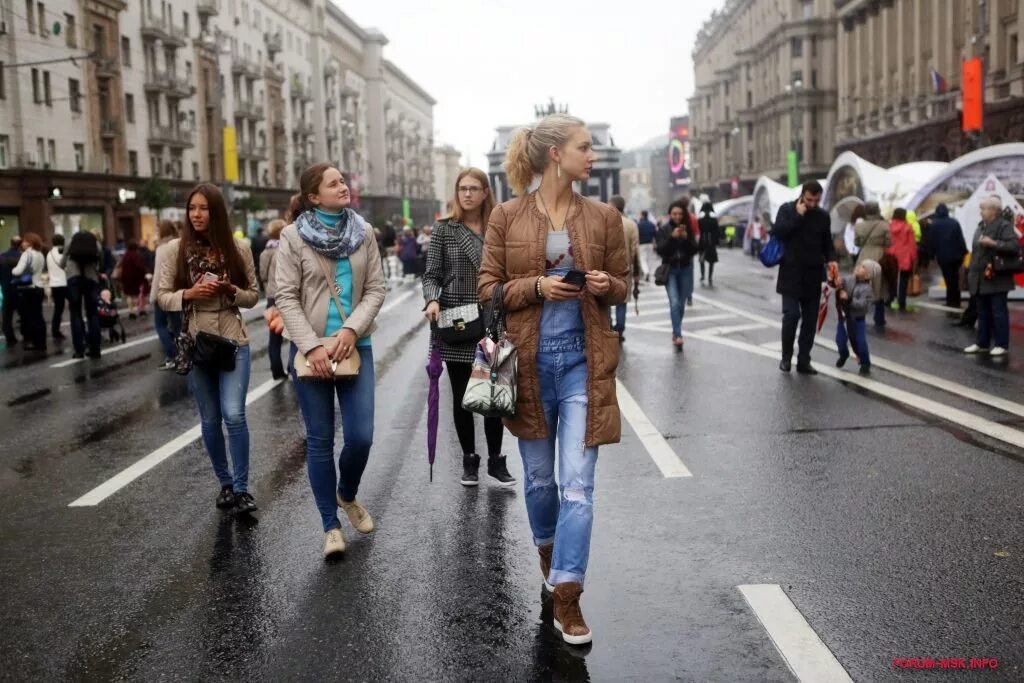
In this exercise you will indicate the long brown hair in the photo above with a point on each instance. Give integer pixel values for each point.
(218, 235)
(485, 209)
(309, 183)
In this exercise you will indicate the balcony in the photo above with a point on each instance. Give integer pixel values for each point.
(208, 8)
(110, 128)
(172, 85)
(245, 67)
(171, 136)
(281, 150)
(303, 128)
(107, 67)
(249, 110)
(274, 43)
(251, 150)
(160, 28)
(331, 103)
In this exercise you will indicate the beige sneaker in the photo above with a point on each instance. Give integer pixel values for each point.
(334, 543)
(357, 514)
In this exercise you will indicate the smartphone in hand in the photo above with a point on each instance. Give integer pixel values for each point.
(576, 278)
(208, 278)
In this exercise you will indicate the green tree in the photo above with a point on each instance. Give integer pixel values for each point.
(157, 195)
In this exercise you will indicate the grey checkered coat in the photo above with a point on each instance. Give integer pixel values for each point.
(453, 262)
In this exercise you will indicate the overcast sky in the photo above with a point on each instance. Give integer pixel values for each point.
(487, 63)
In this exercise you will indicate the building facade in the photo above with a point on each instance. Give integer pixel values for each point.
(899, 83)
(447, 164)
(604, 176)
(765, 83)
(236, 92)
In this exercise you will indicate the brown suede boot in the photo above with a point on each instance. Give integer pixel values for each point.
(568, 617)
(545, 563)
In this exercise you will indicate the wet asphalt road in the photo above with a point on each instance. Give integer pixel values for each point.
(894, 532)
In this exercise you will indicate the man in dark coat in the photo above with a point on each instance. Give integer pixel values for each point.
(8, 261)
(805, 229)
(945, 242)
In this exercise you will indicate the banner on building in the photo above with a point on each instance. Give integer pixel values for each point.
(973, 89)
(230, 155)
(679, 151)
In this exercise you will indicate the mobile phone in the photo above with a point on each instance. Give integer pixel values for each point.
(207, 277)
(576, 278)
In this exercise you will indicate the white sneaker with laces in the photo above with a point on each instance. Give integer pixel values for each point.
(974, 348)
(997, 351)
(334, 542)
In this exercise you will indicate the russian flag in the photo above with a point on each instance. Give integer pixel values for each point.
(938, 81)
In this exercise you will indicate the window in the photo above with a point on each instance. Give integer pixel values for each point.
(814, 46)
(133, 163)
(79, 157)
(126, 51)
(1012, 57)
(796, 47)
(750, 99)
(797, 76)
(51, 153)
(41, 15)
(184, 21)
(129, 107)
(195, 170)
(74, 95)
(808, 9)
(70, 32)
(814, 78)
(3, 84)
(46, 88)
(30, 16)
(40, 151)
(5, 143)
(35, 86)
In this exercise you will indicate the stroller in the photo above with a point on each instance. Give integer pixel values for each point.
(106, 309)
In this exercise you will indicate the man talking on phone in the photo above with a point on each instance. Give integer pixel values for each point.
(810, 257)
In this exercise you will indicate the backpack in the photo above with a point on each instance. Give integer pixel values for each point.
(83, 249)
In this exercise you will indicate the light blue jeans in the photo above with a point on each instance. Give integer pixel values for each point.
(221, 398)
(562, 512)
(680, 288)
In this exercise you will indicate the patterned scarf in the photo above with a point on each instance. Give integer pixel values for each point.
(203, 258)
(334, 242)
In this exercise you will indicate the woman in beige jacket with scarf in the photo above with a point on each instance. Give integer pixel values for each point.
(208, 275)
(329, 235)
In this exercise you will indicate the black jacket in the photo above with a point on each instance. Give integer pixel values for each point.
(809, 247)
(673, 250)
(710, 236)
(945, 239)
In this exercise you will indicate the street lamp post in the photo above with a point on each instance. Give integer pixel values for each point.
(796, 126)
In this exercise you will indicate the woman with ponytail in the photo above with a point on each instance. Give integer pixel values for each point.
(327, 235)
(560, 260)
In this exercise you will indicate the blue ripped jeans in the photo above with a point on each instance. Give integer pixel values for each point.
(562, 512)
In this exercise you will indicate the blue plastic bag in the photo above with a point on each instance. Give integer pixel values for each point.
(772, 253)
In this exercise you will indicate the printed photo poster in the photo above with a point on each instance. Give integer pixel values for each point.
(969, 213)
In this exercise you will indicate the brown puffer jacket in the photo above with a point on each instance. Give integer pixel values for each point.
(514, 255)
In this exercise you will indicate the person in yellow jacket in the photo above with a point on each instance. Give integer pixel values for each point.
(915, 225)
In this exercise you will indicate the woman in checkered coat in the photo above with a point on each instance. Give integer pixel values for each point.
(453, 262)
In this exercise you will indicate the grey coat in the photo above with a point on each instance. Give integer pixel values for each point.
(861, 296)
(1006, 243)
(453, 263)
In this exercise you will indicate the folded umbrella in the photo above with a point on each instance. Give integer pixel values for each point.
(636, 295)
(434, 370)
(826, 292)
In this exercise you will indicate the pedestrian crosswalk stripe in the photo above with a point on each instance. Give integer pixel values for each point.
(659, 450)
(803, 651)
(733, 329)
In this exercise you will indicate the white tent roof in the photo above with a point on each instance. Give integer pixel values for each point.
(770, 195)
(736, 206)
(1010, 149)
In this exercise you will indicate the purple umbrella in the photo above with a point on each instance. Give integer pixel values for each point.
(434, 370)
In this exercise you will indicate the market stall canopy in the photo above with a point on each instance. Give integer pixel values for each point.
(769, 196)
(734, 211)
(954, 184)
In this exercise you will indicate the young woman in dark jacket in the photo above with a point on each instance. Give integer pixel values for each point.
(710, 235)
(450, 279)
(675, 244)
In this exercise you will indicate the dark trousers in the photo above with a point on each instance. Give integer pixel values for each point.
(84, 292)
(274, 351)
(30, 308)
(951, 274)
(60, 295)
(755, 249)
(993, 320)
(458, 374)
(901, 293)
(620, 318)
(802, 311)
(859, 342)
(10, 306)
(880, 313)
(167, 324)
(710, 270)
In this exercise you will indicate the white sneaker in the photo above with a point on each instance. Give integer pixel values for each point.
(334, 543)
(997, 351)
(974, 348)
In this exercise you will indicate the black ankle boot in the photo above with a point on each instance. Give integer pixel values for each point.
(497, 468)
(470, 465)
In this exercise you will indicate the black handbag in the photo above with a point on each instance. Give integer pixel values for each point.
(214, 352)
(661, 275)
(1007, 264)
(459, 325)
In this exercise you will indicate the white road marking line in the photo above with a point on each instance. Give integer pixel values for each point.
(650, 327)
(733, 329)
(397, 301)
(148, 338)
(896, 368)
(805, 654)
(662, 454)
(955, 415)
(140, 467)
(938, 307)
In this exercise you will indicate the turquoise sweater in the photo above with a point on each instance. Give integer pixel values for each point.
(343, 277)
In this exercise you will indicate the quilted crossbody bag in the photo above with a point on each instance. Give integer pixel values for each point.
(459, 324)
